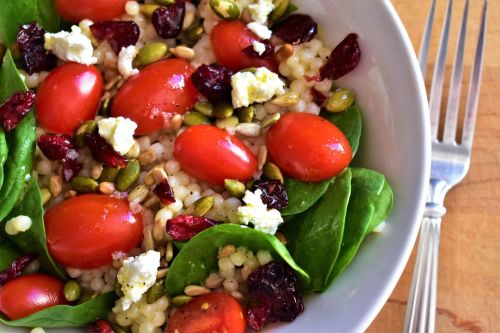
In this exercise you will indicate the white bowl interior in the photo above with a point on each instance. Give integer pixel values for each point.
(395, 142)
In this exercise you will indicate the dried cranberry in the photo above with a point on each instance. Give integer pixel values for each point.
(30, 41)
(168, 21)
(71, 168)
(213, 82)
(103, 152)
(55, 147)
(16, 268)
(100, 326)
(14, 108)
(164, 192)
(250, 52)
(184, 227)
(296, 29)
(118, 34)
(274, 295)
(318, 97)
(344, 58)
(273, 193)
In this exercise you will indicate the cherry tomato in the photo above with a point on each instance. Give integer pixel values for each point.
(95, 10)
(210, 154)
(213, 312)
(28, 294)
(84, 231)
(308, 147)
(229, 38)
(159, 91)
(68, 96)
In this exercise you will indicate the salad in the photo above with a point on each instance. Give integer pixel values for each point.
(175, 166)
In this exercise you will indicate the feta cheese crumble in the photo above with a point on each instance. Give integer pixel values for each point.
(136, 276)
(258, 47)
(118, 132)
(260, 30)
(261, 10)
(125, 59)
(256, 212)
(18, 224)
(71, 46)
(258, 87)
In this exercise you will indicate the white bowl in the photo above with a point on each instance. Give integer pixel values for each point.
(395, 141)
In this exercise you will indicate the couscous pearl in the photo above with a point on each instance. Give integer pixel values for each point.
(225, 264)
(264, 257)
(132, 8)
(171, 167)
(230, 284)
(74, 272)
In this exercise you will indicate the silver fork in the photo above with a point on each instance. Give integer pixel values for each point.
(450, 160)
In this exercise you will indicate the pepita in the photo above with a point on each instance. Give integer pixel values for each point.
(339, 100)
(203, 205)
(109, 174)
(72, 291)
(86, 296)
(148, 9)
(246, 114)
(128, 175)
(235, 187)
(194, 33)
(287, 99)
(88, 127)
(205, 108)
(156, 292)
(223, 110)
(272, 172)
(181, 300)
(165, 2)
(271, 120)
(45, 195)
(151, 53)
(193, 118)
(280, 7)
(104, 106)
(227, 122)
(84, 184)
(225, 9)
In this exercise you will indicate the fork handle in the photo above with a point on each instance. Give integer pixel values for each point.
(421, 308)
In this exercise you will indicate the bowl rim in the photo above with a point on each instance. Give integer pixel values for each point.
(416, 75)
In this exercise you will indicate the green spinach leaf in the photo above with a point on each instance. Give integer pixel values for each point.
(315, 236)
(21, 141)
(349, 122)
(34, 239)
(302, 195)
(8, 252)
(68, 315)
(15, 13)
(370, 203)
(198, 257)
(4, 150)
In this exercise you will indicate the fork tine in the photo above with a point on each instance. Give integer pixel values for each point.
(475, 83)
(439, 72)
(450, 125)
(423, 54)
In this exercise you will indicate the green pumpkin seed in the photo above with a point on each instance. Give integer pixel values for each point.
(128, 175)
(287, 99)
(156, 292)
(165, 2)
(223, 110)
(193, 118)
(249, 184)
(205, 107)
(109, 175)
(104, 106)
(88, 127)
(272, 172)
(148, 9)
(245, 115)
(181, 300)
(46, 195)
(151, 53)
(72, 291)
(194, 33)
(227, 122)
(225, 9)
(235, 188)
(280, 7)
(84, 184)
(340, 100)
(203, 205)
(87, 295)
(271, 120)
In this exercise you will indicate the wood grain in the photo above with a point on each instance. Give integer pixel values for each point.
(469, 266)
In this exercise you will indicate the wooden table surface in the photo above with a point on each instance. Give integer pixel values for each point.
(469, 264)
